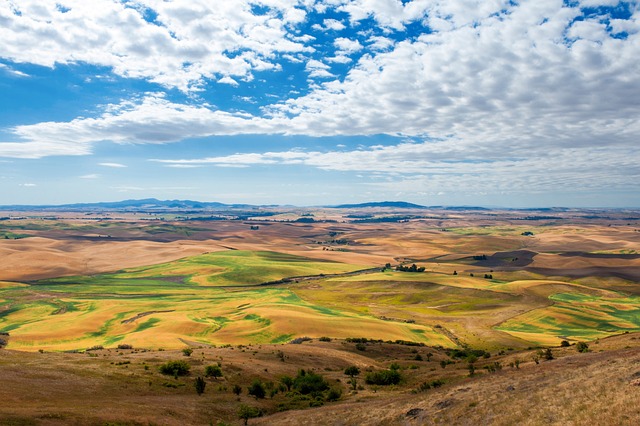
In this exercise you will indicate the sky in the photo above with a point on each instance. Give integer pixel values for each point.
(315, 102)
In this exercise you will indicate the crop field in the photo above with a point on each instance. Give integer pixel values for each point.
(197, 300)
(72, 284)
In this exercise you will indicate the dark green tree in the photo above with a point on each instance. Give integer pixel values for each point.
(200, 384)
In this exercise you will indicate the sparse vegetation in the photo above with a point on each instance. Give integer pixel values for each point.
(175, 368)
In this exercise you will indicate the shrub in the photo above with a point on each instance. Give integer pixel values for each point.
(246, 412)
(237, 389)
(200, 384)
(187, 351)
(334, 394)
(124, 346)
(582, 347)
(213, 371)
(309, 382)
(564, 344)
(175, 368)
(299, 340)
(383, 377)
(287, 381)
(361, 347)
(352, 371)
(325, 339)
(257, 389)
(95, 348)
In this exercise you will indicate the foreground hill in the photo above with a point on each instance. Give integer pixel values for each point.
(125, 387)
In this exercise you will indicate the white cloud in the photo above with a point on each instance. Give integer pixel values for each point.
(228, 80)
(347, 46)
(187, 42)
(333, 24)
(90, 176)
(28, 185)
(114, 165)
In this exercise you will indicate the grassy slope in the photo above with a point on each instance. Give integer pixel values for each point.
(125, 387)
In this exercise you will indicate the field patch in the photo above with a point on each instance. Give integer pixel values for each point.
(577, 316)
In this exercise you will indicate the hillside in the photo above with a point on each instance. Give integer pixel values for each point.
(125, 387)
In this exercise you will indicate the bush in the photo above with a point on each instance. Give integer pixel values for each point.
(257, 389)
(237, 389)
(200, 384)
(325, 339)
(361, 347)
(564, 344)
(383, 377)
(213, 371)
(125, 346)
(582, 347)
(309, 382)
(299, 340)
(187, 351)
(95, 348)
(246, 412)
(334, 394)
(352, 371)
(175, 368)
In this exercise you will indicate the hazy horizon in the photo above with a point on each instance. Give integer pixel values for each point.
(318, 102)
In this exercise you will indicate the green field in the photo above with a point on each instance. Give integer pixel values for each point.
(221, 298)
(208, 299)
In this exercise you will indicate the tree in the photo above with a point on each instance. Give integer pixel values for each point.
(213, 371)
(352, 371)
(287, 381)
(200, 384)
(582, 347)
(257, 389)
(175, 368)
(246, 412)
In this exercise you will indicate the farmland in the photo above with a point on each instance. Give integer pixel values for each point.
(107, 299)
(73, 284)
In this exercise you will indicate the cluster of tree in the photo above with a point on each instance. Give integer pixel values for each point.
(481, 257)
(412, 268)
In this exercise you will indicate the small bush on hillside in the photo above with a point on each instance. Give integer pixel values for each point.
(361, 346)
(95, 348)
(200, 384)
(352, 371)
(325, 339)
(213, 371)
(125, 346)
(257, 389)
(383, 377)
(582, 347)
(237, 389)
(187, 351)
(175, 368)
(309, 383)
(299, 340)
(334, 394)
(246, 412)
(564, 344)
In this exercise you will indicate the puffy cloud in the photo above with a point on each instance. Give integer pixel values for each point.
(175, 44)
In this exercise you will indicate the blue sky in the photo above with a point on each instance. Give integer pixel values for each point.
(309, 102)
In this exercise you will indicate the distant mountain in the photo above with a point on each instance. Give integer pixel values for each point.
(392, 204)
(133, 205)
